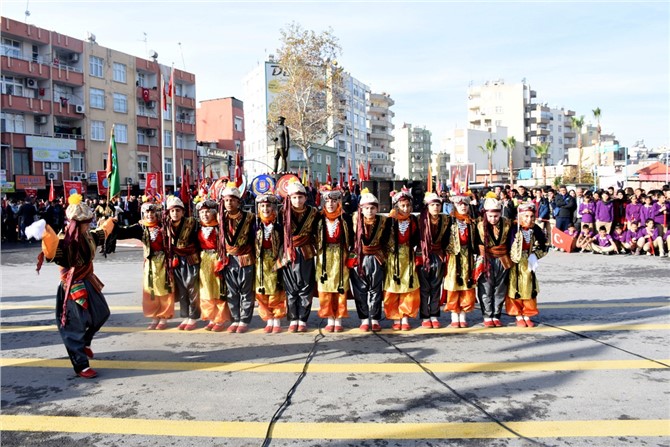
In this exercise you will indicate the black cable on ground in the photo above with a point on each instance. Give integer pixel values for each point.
(457, 394)
(588, 337)
(287, 401)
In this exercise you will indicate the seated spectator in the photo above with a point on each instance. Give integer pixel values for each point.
(618, 236)
(650, 241)
(603, 243)
(630, 238)
(585, 239)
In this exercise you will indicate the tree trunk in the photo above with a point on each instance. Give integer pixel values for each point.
(511, 170)
(579, 161)
(544, 171)
(308, 162)
(490, 168)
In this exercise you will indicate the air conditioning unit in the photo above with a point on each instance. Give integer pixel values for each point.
(74, 57)
(141, 176)
(76, 178)
(151, 132)
(83, 176)
(41, 119)
(129, 180)
(31, 83)
(52, 175)
(79, 108)
(151, 105)
(168, 177)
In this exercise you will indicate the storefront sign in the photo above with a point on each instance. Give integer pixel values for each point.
(51, 155)
(8, 187)
(30, 181)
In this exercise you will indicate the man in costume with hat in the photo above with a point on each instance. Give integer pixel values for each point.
(528, 245)
(81, 309)
(157, 296)
(402, 297)
(184, 261)
(334, 242)
(367, 268)
(211, 287)
(268, 285)
(434, 230)
(299, 250)
(492, 267)
(459, 282)
(239, 257)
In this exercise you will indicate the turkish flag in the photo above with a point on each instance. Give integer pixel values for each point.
(145, 94)
(563, 241)
(52, 193)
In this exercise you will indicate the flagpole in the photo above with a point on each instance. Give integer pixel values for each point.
(109, 163)
(174, 129)
(160, 118)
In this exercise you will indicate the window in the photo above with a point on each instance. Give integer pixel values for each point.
(52, 166)
(97, 98)
(95, 66)
(180, 140)
(11, 48)
(141, 79)
(13, 122)
(142, 164)
(21, 162)
(238, 145)
(120, 103)
(97, 130)
(498, 123)
(167, 137)
(11, 86)
(119, 72)
(328, 160)
(318, 177)
(168, 166)
(179, 89)
(77, 162)
(499, 109)
(167, 114)
(560, 128)
(121, 133)
(238, 124)
(141, 136)
(318, 159)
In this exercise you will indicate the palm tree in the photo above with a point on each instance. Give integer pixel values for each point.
(541, 151)
(510, 144)
(489, 149)
(577, 124)
(596, 115)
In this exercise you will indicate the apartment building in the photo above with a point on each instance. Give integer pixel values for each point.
(220, 133)
(412, 152)
(464, 146)
(381, 135)
(62, 96)
(552, 125)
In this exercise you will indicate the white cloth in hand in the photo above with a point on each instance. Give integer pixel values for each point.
(532, 262)
(36, 230)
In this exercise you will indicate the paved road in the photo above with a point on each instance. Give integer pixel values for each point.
(595, 373)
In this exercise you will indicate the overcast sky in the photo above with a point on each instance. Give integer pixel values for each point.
(611, 55)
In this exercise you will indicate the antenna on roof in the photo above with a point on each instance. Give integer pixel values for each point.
(27, 13)
(182, 56)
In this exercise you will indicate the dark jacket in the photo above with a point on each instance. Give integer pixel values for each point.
(567, 205)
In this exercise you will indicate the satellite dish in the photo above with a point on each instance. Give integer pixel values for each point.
(154, 55)
(91, 37)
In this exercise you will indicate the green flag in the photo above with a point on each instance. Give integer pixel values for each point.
(113, 176)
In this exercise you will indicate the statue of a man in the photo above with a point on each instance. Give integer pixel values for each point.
(282, 144)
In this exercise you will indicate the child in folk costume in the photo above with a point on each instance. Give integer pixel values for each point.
(213, 304)
(528, 244)
(270, 293)
(367, 269)
(81, 309)
(298, 274)
(157, 296)
(237, 233)
(493, 237)
(184, 261)
(402, 297)
(459, 282)
(334, 242)
(434, 230)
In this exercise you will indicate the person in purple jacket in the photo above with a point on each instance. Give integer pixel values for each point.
(603, 243)
(660, 212)
(633, 210)
(585, 238)
(647, 209)
(618, 236)
(587, 209)
(649, 240)
(630, 238)
(604, 212)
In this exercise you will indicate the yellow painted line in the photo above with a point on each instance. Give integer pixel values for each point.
(419, 330)
(6, 306)
(344, 368)
(328, 430)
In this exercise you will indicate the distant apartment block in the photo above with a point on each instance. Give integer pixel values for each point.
(381, 136)
(412, 152)
(220, 134)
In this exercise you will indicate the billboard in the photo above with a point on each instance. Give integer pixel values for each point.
(30, 181)
(275, 77)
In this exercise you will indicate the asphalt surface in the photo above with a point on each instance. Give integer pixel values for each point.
(593, 373)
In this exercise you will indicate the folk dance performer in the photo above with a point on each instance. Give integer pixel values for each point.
(459, 282)
(299, 250)
(367, 269)
(184, 261)
(494, 262)
(212, 290)
(270, 293)
(402, 297)
(81, 309)
(434, 230)
(334, 242)
(528, 245)
(157, 295)
(237, 233)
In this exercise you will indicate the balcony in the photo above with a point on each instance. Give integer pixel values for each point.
(153, 94)
(377, 109)
(569, 134)
(24, 67)
(185, 102)
(147, 122)
(185, 127)
(66, 110)
(24, 31)
(381, 136)
(67, 75)
(67, 43)
(26, 105)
